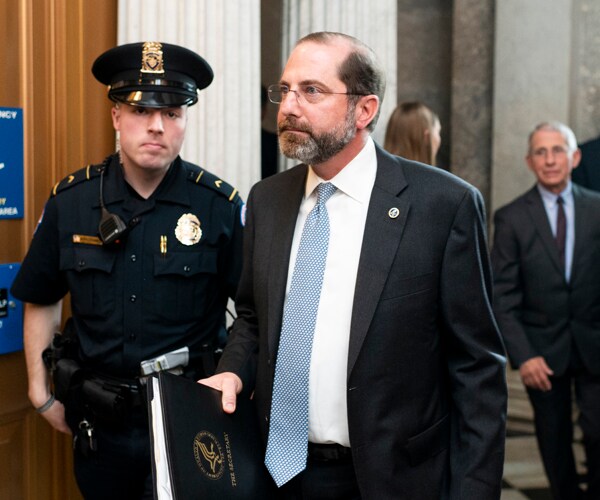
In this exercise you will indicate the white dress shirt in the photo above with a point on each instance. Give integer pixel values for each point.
(551, 206)
(347, 210)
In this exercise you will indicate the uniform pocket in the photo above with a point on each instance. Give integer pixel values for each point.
(183, 282)
(91, 282)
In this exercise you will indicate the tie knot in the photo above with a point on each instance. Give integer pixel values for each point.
(559, 200)
(324, 191)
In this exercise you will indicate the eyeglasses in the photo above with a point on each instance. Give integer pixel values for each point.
(308, 93)
(556, 151)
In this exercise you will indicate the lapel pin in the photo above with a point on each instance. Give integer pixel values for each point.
(393, 213)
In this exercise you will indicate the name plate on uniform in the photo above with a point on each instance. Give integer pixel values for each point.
(11, 163)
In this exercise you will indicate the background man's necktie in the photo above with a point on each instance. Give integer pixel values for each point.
(288, 429)
(561, 229)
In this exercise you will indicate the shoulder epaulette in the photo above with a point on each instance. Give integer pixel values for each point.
(202, 177)
(81, 175)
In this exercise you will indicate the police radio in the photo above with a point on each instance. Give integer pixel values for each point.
(111, 226)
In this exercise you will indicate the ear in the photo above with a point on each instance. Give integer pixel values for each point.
(530, 163)
(576, 157)
(116, 115)
(366, 109)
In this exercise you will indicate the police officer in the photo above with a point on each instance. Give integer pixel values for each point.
(149, 247)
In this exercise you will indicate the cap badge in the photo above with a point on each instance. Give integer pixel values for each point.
(188, 230)
(152, 58)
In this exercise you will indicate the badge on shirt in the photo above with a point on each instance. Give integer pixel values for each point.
(188, 230)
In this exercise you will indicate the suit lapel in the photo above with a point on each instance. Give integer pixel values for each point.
(285, 213)
(580, 228)
(379, 247)
(537, 212)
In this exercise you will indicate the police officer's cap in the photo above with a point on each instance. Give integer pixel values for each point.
(153, 74)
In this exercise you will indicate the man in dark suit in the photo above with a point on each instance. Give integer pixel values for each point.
(547, 302)
(405, 388)
(587, 173)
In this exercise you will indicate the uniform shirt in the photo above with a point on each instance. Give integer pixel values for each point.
(347, 211)
(164, 285)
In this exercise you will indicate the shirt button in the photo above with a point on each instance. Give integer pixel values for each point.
(81, 263)
(133, 298)
(133, 258)
(187, 269)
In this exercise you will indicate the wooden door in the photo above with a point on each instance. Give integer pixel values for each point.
(46, 51)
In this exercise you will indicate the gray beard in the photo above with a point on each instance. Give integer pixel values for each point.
(316, 149)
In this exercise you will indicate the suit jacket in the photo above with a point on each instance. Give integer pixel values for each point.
(587, 174)
(538, 312)
(426, 391)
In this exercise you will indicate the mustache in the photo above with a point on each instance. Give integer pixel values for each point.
(293, 124)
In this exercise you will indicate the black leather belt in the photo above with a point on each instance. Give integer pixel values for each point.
(329, 452)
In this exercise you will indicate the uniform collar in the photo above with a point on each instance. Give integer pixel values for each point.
(172, 188)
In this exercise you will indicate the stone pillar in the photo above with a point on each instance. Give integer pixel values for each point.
(425, 61)
(223, 133)
(532, 79)
(585, 99)
(471, 90)
(371, 22)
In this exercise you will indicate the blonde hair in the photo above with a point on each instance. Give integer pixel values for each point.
(409, 131)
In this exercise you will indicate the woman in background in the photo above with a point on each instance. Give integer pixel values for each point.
(413, 132)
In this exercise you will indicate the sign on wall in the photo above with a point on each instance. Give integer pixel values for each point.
(11, 163)
(11, 312)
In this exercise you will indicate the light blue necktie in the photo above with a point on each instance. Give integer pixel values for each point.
(288, 431)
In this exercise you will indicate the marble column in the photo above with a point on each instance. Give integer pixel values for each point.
(471, 92)
(585, 67)
(223, 133)
(425, 61)
(532, 80)
(374, 23)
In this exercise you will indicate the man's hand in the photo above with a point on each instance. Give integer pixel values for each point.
(55, 416)
(229, 384)
(535, 374)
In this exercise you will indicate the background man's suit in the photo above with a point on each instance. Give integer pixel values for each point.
(539, 313)
(426, 389)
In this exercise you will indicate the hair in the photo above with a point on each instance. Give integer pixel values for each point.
(409, 131)
(555, 126)
(360, 71)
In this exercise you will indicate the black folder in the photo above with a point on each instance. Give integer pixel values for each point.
(200, 452)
